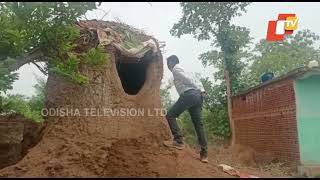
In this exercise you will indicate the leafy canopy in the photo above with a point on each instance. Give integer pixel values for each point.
(281, 57)
(29, 107)
(212, 21)
(34, 32)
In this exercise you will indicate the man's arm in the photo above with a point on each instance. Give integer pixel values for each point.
(181, 75)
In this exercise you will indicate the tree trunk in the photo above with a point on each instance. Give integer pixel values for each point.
(229, 94)
(227, 54)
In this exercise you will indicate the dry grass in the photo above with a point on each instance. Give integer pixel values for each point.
(277, 170)
(224, 155)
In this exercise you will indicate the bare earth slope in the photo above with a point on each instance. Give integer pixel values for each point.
(76, 148)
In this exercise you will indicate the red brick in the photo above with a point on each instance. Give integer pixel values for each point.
(265, 119)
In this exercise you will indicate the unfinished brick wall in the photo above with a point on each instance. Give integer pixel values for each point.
(265, 119)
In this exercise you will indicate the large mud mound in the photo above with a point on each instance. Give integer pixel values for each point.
(71, 149)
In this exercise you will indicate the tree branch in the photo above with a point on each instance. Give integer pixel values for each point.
(35, 54)
(40, 68)
(105, 13)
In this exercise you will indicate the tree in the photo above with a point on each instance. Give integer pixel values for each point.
(216, 112)
(212, 21)
(33, 32)
(6, 80)
(166, 100)
(281, 57)
(36, 102)
(30, 107)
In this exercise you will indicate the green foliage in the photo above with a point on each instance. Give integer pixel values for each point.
(205, 20)
(36, 102)
(166, 100)
(50, 26)
(19, 104)
(281, 57)
(215, 110)
(216, 122)
(29, 107)
(47, 26)
(95, 56)
(6, 77)
(68, 70)
(211, 21)
(130, 40)
(234, 51)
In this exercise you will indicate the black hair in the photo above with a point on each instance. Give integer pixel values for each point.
(173, 58)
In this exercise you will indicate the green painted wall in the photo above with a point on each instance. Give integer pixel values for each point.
(308, 118)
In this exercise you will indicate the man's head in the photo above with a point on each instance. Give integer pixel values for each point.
(172, 61)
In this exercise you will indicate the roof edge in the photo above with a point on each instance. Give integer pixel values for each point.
(292, 74)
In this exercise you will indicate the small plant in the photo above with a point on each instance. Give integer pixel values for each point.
(69, 68)
(95, 56)
(130, 40)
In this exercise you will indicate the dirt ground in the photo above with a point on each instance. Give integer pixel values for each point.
(244, 161)
(65, 152)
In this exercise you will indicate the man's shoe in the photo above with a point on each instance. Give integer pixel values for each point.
(204, 159)
(174, 144)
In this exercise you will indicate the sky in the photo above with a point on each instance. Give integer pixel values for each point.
(157, 18)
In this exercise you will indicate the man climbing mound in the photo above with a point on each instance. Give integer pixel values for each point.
(191, 94)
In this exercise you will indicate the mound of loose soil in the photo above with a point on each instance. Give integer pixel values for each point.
(80, 148)
(17, 136)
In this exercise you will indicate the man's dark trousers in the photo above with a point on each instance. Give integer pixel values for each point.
(192, 101)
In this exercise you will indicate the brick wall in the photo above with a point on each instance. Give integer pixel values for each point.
(265, 119)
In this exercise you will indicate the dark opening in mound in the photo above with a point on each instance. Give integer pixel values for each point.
(132, 72)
